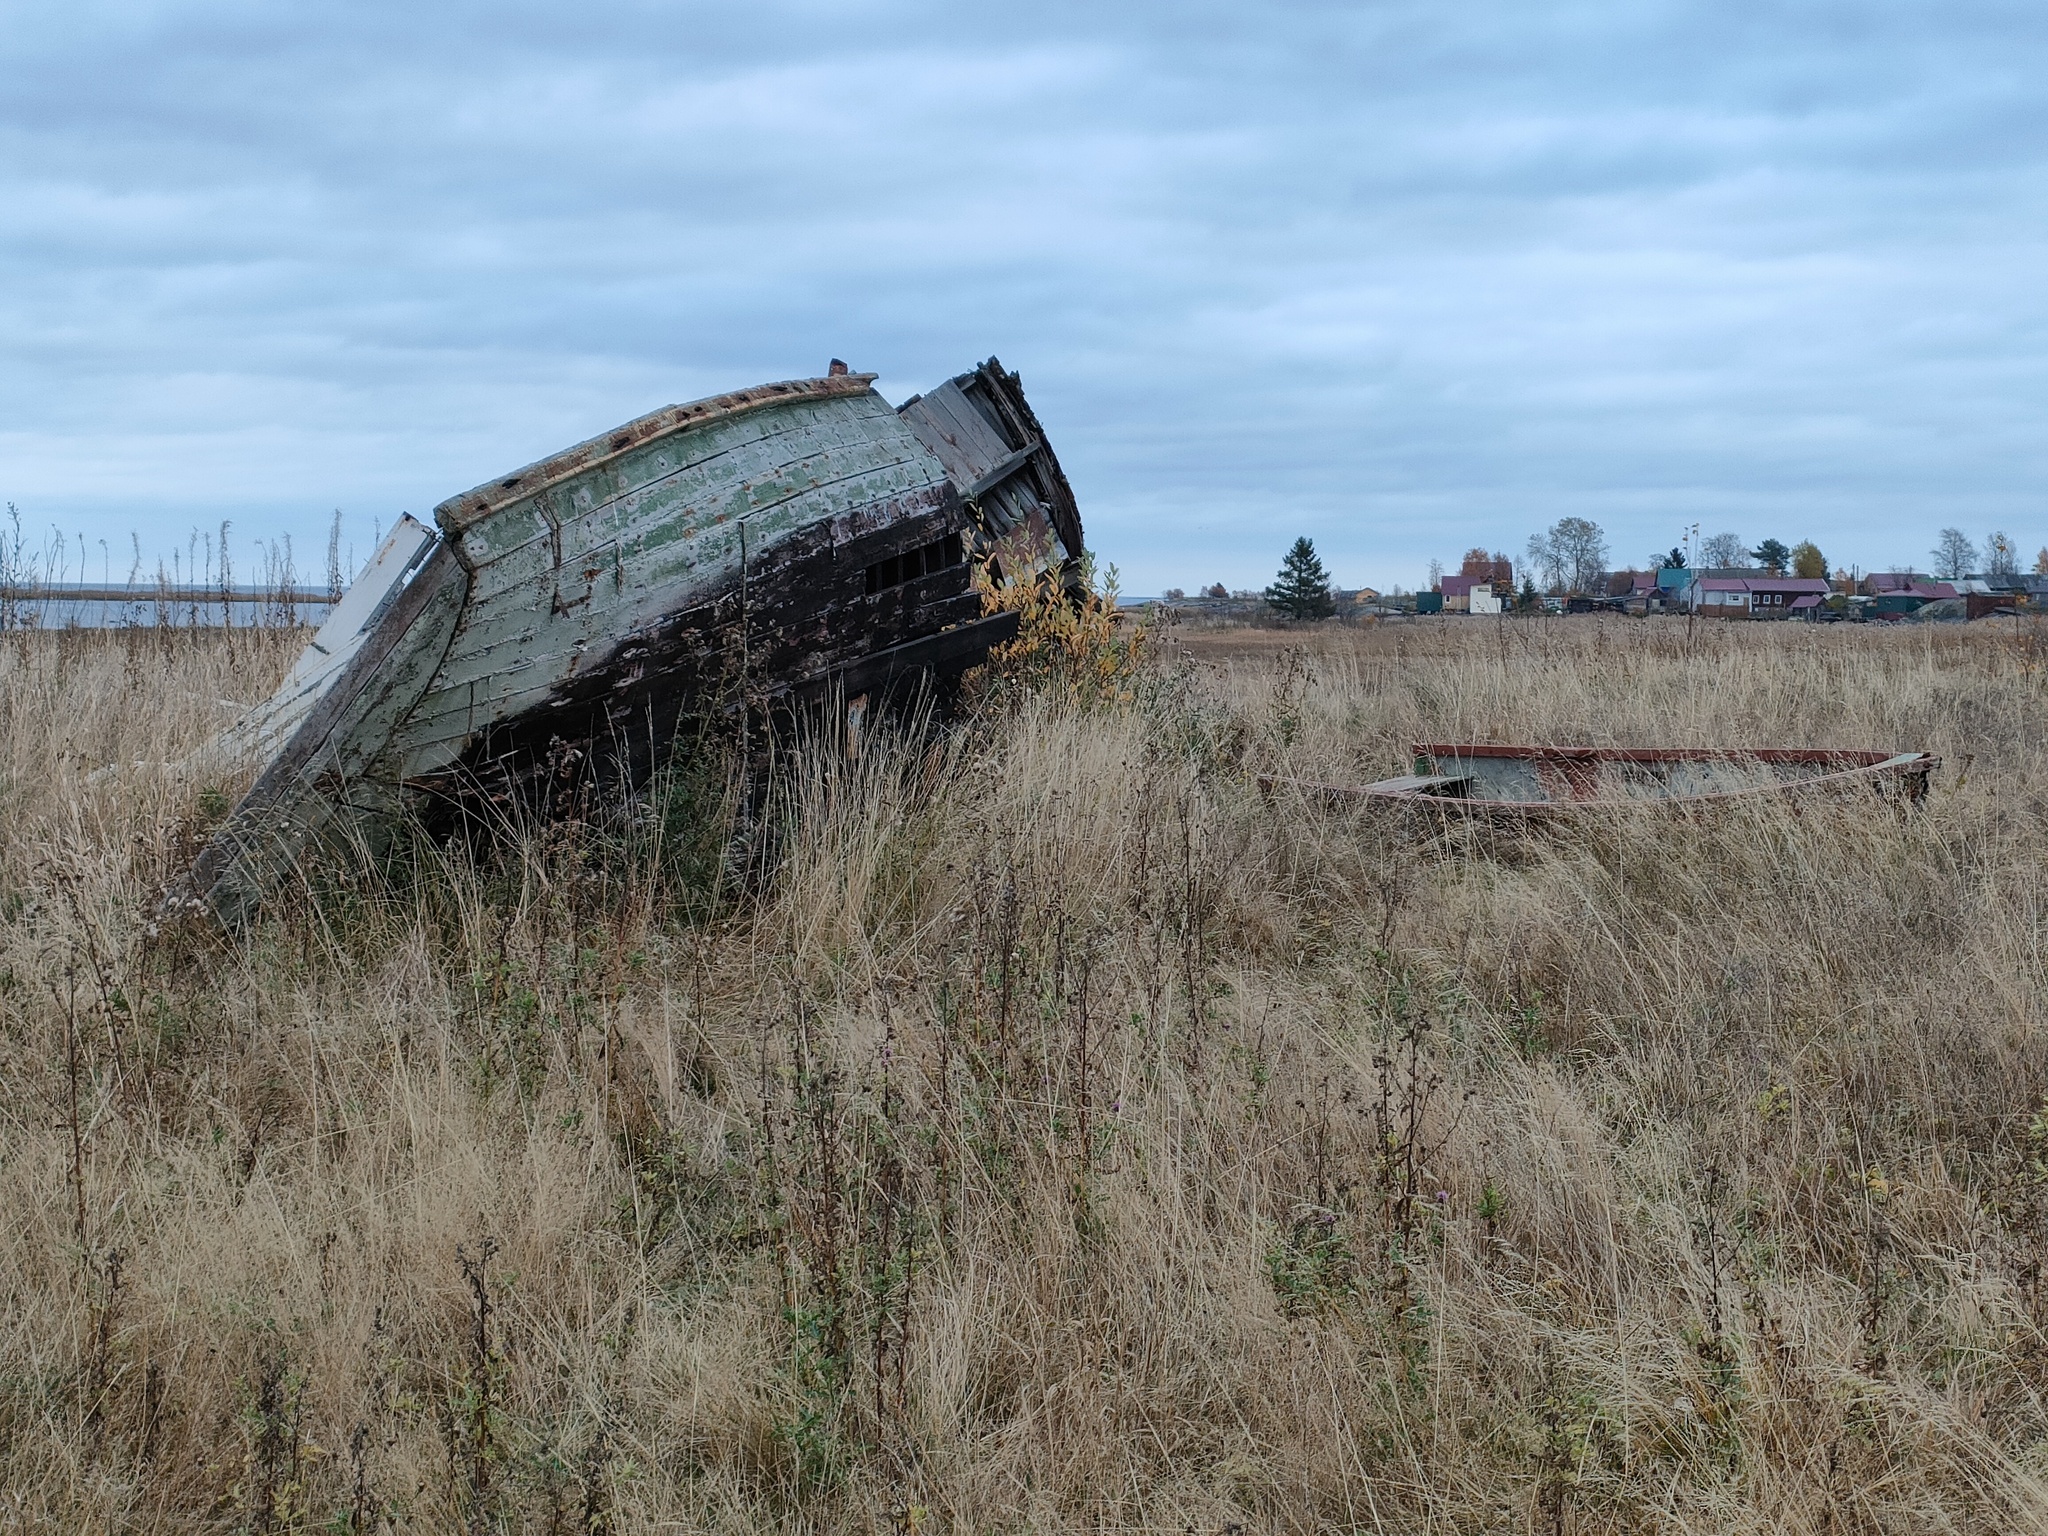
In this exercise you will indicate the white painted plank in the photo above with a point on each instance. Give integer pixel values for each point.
(260, 732)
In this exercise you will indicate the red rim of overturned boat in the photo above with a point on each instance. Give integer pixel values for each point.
(1570, 777)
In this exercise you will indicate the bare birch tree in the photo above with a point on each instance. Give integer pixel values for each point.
(1571, 554)
(1954, 554)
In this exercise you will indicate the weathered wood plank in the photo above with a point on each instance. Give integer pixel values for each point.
(347, 627)
(461, 512)
(1002, 470)
(949, 651)
(947, 423)
(592, 612)
(296, 802)
(482, 682)
(669, 539)
(1005, 392)
(692, 468)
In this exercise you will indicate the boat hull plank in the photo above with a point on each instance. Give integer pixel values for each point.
(984, 432)
(806, 617)
(507, 662)
(674, 540)
(458, 514)
(710, 472)
(832, 555)
(322, 787)
(348, 626)
(510, 589)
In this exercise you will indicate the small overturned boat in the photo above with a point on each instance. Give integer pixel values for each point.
(1503, 780)
(557, 626)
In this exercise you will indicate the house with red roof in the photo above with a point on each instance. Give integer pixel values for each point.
(1753, 595)
(1907, 584)
(1470, 594)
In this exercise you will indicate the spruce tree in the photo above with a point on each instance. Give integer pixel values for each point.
(1302, 590)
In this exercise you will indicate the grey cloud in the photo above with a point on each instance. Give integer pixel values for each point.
(1402, 276)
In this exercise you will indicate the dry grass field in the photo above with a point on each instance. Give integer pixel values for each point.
(1053, 1133)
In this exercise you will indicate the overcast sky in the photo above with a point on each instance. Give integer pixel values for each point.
(1403, 277)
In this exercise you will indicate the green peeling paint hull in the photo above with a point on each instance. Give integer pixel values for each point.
(763, 546)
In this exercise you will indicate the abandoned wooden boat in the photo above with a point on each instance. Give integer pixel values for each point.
(1510, 781)
(751, 551)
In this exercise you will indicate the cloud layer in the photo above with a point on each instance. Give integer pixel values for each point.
(1404, 277)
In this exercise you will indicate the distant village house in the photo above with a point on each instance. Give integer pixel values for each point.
(1462, 594)
(1485, 583)
(1743, 594)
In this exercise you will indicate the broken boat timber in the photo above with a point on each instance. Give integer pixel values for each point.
(1509, 782)
(750, 552)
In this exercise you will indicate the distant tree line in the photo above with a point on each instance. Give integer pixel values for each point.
(1570, 558)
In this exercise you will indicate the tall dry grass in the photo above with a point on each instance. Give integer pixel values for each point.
(1059, 1134)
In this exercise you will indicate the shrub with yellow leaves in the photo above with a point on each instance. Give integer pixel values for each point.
(1071, 640)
